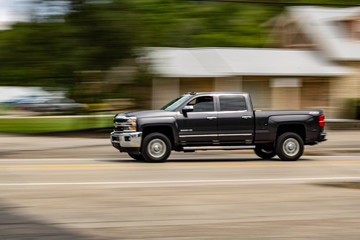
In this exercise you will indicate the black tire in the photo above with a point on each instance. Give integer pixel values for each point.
(137, 156)
(289, 146)
(266, 151)
(156, 147)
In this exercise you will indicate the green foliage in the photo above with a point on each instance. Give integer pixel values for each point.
(37, 54)
(53, 124)
(200, 24)
(97, 35)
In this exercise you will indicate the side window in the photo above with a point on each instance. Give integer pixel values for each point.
(232, 103)
(203, 104)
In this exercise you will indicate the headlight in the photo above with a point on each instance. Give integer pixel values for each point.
(124, 124)
(132, 124)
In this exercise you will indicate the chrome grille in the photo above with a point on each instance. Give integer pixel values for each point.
(119, 128)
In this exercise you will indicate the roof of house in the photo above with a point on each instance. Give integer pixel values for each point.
(321, 24)
(222, 62)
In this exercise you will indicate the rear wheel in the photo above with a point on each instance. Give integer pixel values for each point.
(265, 151)
(289, 146)
(156, 147)
(137, 156)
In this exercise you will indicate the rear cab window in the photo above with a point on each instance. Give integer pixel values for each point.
(232, 103)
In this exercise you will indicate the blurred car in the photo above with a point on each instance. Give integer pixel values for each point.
(46, 104)
(14, 94)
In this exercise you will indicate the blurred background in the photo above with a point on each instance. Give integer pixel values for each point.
(92, 58)
(67, 66)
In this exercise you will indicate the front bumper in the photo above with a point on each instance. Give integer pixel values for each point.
(126, 140)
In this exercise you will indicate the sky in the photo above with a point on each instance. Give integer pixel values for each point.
(20, 10)
(12, 11)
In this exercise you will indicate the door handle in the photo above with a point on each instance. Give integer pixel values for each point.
(211, 118)
(246, 117)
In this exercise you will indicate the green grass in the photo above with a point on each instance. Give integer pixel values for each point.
(53, 124)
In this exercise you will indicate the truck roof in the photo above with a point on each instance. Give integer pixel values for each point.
(204, 93)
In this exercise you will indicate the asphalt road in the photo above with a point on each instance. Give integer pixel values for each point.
(204, 195)
(95, 145)
(80, 187)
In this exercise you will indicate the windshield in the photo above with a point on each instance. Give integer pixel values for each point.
(174, 104)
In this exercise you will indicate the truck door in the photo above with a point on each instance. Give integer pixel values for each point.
(235, 119)
(200, 125)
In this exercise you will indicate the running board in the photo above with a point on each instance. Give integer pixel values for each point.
(219, 147)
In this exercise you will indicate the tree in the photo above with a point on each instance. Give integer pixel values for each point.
(96, 35)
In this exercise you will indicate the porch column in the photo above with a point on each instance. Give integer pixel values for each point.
(164, 90)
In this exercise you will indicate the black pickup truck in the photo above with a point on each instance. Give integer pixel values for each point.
(216, 121)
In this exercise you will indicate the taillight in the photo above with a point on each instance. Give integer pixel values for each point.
(321, 120)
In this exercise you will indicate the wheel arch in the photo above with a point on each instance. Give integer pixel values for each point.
(165, 129)
(297, 128)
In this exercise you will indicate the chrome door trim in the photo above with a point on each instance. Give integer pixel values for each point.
(202, 135)
(235, 134)
(219, 147)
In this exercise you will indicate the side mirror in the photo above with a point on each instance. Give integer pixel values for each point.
(187, 108)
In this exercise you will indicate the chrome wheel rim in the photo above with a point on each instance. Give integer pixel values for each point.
(156, 148)
(291, 147)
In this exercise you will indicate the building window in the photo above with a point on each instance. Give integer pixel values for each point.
(260, 93)
(356, 30)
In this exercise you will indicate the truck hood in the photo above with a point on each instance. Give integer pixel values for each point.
(150, 114)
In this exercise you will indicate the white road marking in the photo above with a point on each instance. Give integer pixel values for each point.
(255, 180)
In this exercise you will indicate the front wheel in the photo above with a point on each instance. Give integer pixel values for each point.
(156, 147)
(289, 146)
(265, 151)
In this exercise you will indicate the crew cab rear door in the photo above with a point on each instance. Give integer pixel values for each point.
(235, 119)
